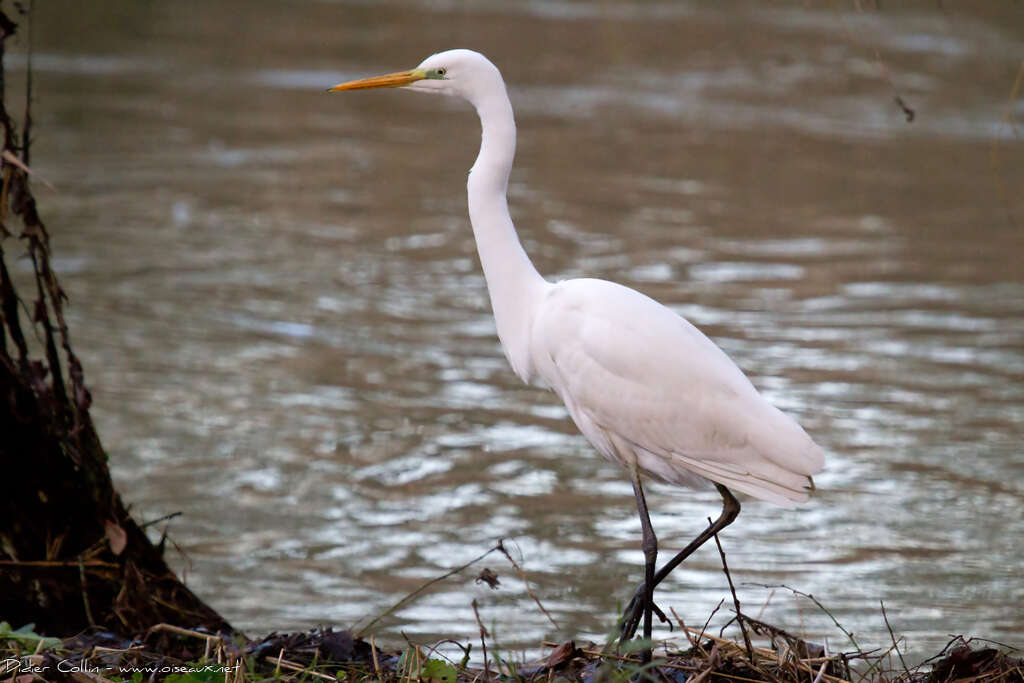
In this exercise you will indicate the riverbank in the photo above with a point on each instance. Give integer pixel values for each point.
(180, 655)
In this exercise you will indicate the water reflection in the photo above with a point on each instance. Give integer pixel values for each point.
(277, 299)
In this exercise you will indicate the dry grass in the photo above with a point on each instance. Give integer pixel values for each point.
(763, 652)
(323, 654)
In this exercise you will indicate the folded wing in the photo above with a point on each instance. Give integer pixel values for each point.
(646, 386)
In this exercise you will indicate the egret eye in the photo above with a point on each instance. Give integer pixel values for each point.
(441, 72)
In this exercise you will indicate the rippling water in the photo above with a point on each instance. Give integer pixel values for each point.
(278, 302)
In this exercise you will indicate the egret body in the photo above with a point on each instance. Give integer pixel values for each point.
(644, 386)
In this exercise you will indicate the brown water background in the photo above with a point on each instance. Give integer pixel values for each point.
(278, 303)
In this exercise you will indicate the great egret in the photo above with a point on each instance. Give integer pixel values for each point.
(644, 386)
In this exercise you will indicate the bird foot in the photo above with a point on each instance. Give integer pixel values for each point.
(634, 613)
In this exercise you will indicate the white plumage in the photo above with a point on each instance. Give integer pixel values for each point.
(645, 387)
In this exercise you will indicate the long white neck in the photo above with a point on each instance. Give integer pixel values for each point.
(515, 287)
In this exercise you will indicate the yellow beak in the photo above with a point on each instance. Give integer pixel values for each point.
(395, 80)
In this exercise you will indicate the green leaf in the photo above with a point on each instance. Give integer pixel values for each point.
(197, 676)
(27, 636)
(438, 670)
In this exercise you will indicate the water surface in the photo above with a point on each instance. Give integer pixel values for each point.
(281, 314)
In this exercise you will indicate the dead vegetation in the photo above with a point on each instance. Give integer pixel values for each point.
(759, 651)
(167, 651)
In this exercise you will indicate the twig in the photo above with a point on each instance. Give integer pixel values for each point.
(522, 577)
(85, 591)
(711, 616)
(277, 667)
(819, 605)
(57, 563)
(994, 642)
(824, 676)
(735, 599)
(483, 640)
(945, 648)
(622, 658)
(359, 633)
(760, 626)
(821, 672)
(432, 650)
(693, 643)
(151, 522)
(734, 677)
(376, 662)
(877, 663)
(184, 632)
(725, 645)
(909, 113)
(292, 666)
(893, 636)
(701, 676)
(760, 612)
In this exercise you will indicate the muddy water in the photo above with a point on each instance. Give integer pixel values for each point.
(281, 314)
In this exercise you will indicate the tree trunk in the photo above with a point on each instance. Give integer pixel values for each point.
(71, 557)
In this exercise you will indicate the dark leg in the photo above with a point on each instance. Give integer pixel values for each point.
(650, 547)
(639, 604)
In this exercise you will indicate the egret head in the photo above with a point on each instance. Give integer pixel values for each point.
(464, 73)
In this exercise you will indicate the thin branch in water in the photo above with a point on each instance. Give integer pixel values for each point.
(760, 612)
(359, 633)
(151, 522)
(898, 99)
(522, 577)
(908, 112)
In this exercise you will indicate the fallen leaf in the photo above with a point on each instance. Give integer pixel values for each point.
(11, 159)
(562, 654)
(117, 537)
(488, 577)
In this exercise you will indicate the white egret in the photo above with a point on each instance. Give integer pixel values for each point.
(644, 386)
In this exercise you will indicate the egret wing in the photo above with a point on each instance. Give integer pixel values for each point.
(645, 385)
